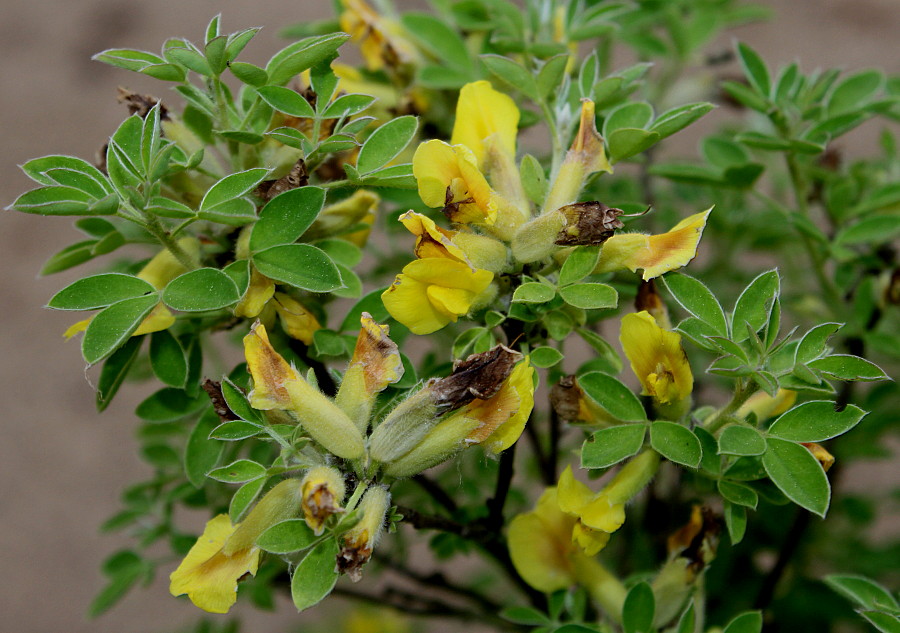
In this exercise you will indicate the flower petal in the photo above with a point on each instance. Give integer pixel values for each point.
(483, 112)
(269, 370)
(656, 357)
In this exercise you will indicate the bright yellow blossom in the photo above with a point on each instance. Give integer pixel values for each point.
(381, 40)
(448, 178)
(208, 576)
(544, 553)
(432, 292)
(657, 358)
(655, 254)
(485, 118)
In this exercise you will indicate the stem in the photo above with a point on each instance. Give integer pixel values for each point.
(155, 227)
(323, 376)
(741, 393)
(334, 183)
(501, 491)
(437, 493)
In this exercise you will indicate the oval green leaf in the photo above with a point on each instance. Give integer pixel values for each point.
(385, 143)
(590, 296)
(299, 265)
(815, 422)
(286, 217)
(286, 537)
(610, 446)
(99, 291)
(613, 396)
(676, 443)
(798, 475)
(201, 290)
(741, 440)
(315, 576)
(110, 328)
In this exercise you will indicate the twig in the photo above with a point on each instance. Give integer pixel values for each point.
(504, 478)
(788, 548)
(535, 441)
(552, 465)
(437, 493)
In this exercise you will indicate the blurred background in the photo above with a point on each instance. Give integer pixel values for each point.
(62, 466)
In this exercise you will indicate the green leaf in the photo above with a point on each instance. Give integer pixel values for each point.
(201, 290)
(119, 584)
(687, 622)
(385, 143)
(533, 178)
(738, 493)
(676, 443)
(315, 576)
(815, 421)
(55, 200)
(697, 299)
(288, 101)
(745, 95)
(638, 610)
(590, 296)
(613, 396)
(710, 462)
(604, 350)
(847, 367)
(99, 291)
(676, 119)
(114, 371)
(871, 231)
(754, 304)
(201, 454)
(286, 537)
(167, 359)
(798, 475)
(294, 59)
(854, 91)
(741, 440)
(244, 498)
(299, 265)
(341, 251)
(863, 591)
(812, 345)
(545, 356)
(754, 69)
(611, 445)
(110, 328)
(884, 622)
(735, 521)
(370, 303)
(513, 75)
(169, 404)
(533, 292)
(235, 212)
(347, 106)
(250, 74)
(439, 39)
(190, 59)
(286, 217)
(233, 186)
(235, 430)
(524, 615)
(238, 403)
(238, 472)
(551, 74)
(750, 622)
(627, 142)
(636, 115)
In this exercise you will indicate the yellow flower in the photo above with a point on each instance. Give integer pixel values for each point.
(431, 240)
(655, 254)
(208, 576)
(766, 406)
(585, 156)
(657, 358)
(277, 385)
(259, 291)
(224, 552)
(448, 178)
(503, 416)
(432, 292)
(380, 39)
(485, 118)
(323, 492)
(375, 364)
(544, 553)
(297, 321)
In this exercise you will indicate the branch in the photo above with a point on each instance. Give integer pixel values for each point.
(437, 493)
(501, 491)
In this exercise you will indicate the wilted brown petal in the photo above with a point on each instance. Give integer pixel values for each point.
(141, 104)
(588, 223)
(565, 397)
(478, 376)
(297, 177)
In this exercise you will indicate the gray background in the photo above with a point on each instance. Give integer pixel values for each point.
(61, 465)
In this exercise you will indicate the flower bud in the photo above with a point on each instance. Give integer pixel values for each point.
(825, 458)
(440, 444)
(765, 406)
(279, 504)
(361, 539)
(323, 492)
(164, 266)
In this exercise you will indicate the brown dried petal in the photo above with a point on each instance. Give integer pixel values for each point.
(588, 223)
(141, 104)
(297, 177)
(478, 376)
(352, 557)
(565, 397)
(214, 390)
(698, 539)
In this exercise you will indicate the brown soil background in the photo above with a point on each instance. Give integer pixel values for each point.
(62, 466)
